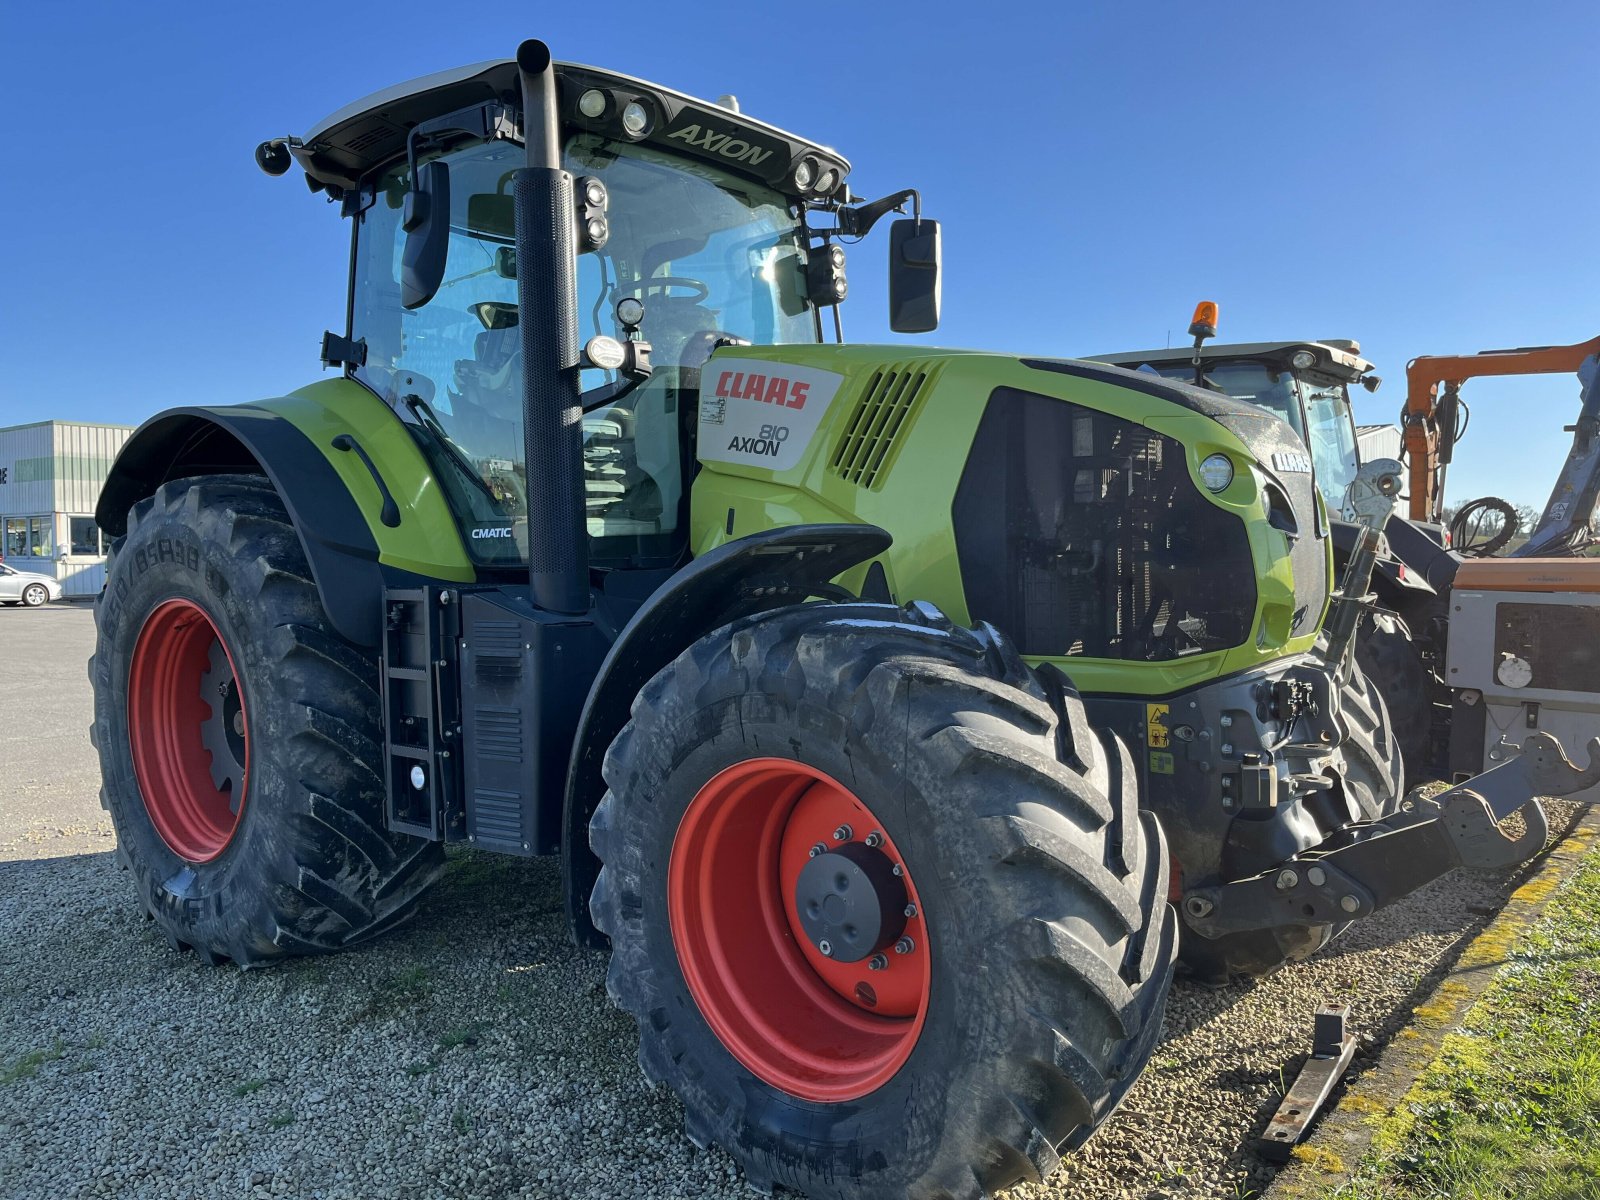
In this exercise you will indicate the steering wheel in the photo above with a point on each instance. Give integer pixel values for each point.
(700, 290)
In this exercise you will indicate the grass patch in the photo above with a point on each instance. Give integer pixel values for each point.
(420, 1068)
(462, 1035)
(249, 1087)
(460, 1122)
(281, 1120)
(1511, 1107)
(395, 993)
(28, 1065)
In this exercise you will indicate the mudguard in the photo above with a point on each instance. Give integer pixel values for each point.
(356, 486)
(763, 571)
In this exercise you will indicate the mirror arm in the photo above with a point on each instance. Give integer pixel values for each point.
(858, 222)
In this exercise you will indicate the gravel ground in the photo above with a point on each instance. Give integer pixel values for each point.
(474, 1053)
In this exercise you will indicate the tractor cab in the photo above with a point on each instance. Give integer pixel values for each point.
(694, 227)
(1305, 383)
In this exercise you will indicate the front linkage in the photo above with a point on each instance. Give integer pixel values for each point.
(1370, 865)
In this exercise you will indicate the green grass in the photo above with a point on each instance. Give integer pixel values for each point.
(460, 1122)
(463, 1035)
(1511, 1108)
(249, 1087)
(28, 1065)
(281, 1120)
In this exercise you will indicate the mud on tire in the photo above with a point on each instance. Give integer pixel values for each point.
(1043, 889)
(309, 867)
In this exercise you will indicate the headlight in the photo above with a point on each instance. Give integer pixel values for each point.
(592, 103)
(1216, 472)
(1303, 360)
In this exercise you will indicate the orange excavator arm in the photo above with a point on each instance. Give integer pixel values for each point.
(1430, 416)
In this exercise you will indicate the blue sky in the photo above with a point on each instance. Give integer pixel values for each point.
(1418, 176)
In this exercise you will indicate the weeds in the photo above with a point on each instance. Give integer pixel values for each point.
(28, 1065)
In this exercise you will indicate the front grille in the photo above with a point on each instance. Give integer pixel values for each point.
(883, 412)
(1079, 533)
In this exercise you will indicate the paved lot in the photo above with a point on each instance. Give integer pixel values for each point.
(474, 1053)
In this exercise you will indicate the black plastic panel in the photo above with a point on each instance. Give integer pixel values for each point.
(1079, 533)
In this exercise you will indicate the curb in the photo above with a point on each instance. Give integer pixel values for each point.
(1377, 1098)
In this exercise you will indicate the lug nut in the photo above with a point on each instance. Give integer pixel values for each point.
(1349, 903)
(874, 839)
(1317, 876)
(911, 910)
(877, 962)
(826, 947)
(899, 870)
(819, 848)
(904, 946)
(842, 834)
(1286, 880)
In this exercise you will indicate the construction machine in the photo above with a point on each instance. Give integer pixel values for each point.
(860, 689)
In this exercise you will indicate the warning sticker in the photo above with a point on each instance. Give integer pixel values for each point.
(761, 414)
(1161, 762)
(1155, 725)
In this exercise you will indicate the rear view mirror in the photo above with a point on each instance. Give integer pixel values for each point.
(426, 221)
(915, 251)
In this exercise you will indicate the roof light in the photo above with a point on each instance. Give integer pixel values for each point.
(827, 181)
(1204, 324)
(1303, 360)
(635, 119)
(1216, 472)
(805, 171)
(592, 103)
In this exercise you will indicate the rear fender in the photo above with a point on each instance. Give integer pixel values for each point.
(350, 526)
(751, 574)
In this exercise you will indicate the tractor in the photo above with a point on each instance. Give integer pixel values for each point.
(860, 689)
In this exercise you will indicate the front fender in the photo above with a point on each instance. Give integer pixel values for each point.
(751, 574)
(336, 505)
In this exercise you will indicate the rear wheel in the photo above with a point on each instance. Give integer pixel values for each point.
(889, 925)
(239, 736)
(35, 594)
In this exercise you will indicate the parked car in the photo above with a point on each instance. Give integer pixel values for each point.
(27, 587)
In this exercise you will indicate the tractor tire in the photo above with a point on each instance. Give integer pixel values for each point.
(240, 738)
(1387, 655)
(1029, 970)
(1372, 784)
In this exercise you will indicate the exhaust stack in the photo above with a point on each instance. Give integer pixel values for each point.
(552, 430)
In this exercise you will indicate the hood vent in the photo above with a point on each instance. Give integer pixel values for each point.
(882, 414)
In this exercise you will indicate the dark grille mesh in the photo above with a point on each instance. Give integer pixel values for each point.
(1079, 533)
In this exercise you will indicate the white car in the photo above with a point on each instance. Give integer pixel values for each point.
(27, 587)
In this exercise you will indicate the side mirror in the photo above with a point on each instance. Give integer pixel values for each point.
(426, 221)
(915, 251)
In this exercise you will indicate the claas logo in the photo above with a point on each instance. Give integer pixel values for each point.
(768, 389)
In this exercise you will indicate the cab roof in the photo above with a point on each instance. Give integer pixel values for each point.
(345, 146)
(1335, 356)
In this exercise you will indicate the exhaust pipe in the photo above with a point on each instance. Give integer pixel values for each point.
(552, 415)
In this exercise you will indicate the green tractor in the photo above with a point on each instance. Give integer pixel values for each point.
(1400, 646)
(852, 685)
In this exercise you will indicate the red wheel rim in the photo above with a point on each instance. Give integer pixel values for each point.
(187, 730)
(809, 1025)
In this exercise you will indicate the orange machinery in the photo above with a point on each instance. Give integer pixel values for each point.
(1432, 412)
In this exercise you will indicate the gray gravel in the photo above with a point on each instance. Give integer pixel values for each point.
(474, 1053)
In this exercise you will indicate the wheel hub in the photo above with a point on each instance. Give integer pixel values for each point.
(851, 903)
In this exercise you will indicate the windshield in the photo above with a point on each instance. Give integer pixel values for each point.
(707, 252)
(1253, 382)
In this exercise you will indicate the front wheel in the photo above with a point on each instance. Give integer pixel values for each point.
(35, 594)
(889, 925)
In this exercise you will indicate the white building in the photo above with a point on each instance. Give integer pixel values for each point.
(1377, 441)
(51, 473)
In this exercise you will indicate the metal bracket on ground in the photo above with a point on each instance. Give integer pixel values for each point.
(1332, 1047)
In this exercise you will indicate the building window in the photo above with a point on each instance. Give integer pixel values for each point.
(85, 535)
(42, 537)
(16, 544)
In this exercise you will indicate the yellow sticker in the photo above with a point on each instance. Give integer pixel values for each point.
(1155, 722)
(1161, 762)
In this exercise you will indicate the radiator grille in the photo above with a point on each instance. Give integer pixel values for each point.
(882, 414)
